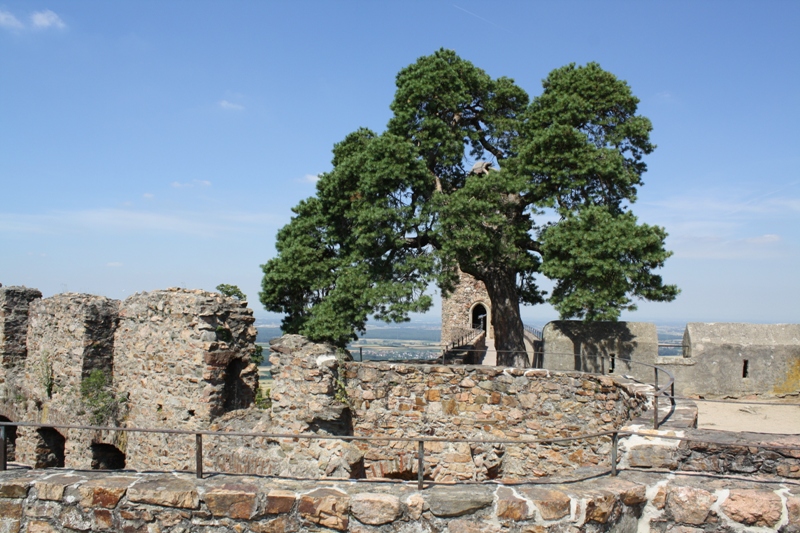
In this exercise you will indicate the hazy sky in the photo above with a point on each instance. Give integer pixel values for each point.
(145, 145)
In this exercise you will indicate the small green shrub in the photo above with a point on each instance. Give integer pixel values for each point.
(262, 400)
(98, 398)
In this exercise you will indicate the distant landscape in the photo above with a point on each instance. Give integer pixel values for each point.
(422, 341)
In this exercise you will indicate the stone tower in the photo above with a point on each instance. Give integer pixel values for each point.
(468, 307)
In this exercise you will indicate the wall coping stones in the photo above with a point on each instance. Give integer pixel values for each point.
(146, 501)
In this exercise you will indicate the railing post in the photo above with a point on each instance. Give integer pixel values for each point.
(360, 354)
(420, 463)
(3, 463)
(614, 439)
(655, 402)
(198, 455)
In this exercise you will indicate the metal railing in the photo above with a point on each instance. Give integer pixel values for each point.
(536, 332)
(461, 337)
(420, 441)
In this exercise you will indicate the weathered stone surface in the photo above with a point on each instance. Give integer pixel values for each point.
(52, 488)
(327, 507)
(600, 506)
(15, 488)
(689, 505)
(165, 492)
(472, 526)
(510, 506)
(457, 501)
(753, 507)
(457, 308)
(38, 526)
(9, 525)
(105, 493)
(232, 500)
(653, 456)
(375, 509)
(102, 519)
(280, 501)
(11, 509)
(415, 504)
(552, 504)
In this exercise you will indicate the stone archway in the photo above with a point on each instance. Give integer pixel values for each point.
(479, 317)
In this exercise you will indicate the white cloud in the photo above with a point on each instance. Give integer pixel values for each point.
(763, 239)
(190, 184)
(148, 196)
(230, 106)
(7, 20)
(116, 221)
(114, 264)
(309, 178)
(47, 19)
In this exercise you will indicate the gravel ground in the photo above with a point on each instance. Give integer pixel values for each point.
(775, 418)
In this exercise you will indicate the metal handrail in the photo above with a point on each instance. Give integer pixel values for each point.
(615, 436)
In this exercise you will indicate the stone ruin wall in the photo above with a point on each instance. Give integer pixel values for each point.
(456, 309)
(719, 359)
(175, 359)
(464, 402)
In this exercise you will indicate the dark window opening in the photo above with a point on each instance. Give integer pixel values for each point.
(236, 394)
(11, 440)
(745, 369)
(107, 457)
(49, 448)
(479, 316)
(613, 363)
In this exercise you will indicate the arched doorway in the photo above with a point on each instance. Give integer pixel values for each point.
(480, 317)
(11, 439)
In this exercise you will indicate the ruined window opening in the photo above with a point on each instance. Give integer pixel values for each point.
(236, 394)
(49, 448)
(745, 369)
(107, 457)
(613, 363)
(479, 316)
(11, 439)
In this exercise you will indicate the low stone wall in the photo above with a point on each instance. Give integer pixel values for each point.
(462, 402)
(719, 359)
(572, 345)
(49, 502)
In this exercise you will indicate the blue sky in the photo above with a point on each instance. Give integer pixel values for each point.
(145, 145)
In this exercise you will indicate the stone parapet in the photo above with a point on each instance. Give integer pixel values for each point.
(478, 402)
(46, 501)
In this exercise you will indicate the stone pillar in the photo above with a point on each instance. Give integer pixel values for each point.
(14, 305)
(70, 336)
(457, 308)
(183, 357)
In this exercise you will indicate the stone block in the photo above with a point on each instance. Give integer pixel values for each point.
(326, 507)
(753, 507)
(511, 507)
(11, 509)
(15, 488)
(105, 492)
(552, 504)
(457, 501)
(375, 509)
(166, 492)
(689, 505)
(233, 500)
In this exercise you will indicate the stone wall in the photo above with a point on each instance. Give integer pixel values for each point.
(457, 308)
(14, 305)
(738, 359)
(183, 359)
(47, 502)
(462, 402)
(571, 345)
(722, 359)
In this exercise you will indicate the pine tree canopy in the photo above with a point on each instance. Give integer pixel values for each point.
(473, 174)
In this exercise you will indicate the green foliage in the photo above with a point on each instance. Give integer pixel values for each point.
(257, 356)
(262, 399)
(98, 398)
(224, 334)
(44, 370)
(232, 291)
(401, 210)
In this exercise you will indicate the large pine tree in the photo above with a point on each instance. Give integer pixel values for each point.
(471, 173)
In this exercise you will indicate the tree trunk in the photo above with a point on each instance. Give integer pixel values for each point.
(509, 337)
